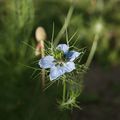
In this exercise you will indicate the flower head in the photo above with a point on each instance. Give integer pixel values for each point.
(61, 63)
(40, 34)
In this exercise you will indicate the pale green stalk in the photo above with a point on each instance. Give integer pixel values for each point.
(64, 90)
(63, 29)
(93, 50)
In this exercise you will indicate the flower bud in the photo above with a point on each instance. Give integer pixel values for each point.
(40, 34)
(98, 27)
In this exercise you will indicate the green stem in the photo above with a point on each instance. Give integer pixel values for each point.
(64, 90)
(63, 29)
(93, 50)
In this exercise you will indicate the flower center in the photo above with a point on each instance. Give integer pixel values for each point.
(60, 62)
(60, 58)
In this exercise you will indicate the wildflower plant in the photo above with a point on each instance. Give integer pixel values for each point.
(62, 63)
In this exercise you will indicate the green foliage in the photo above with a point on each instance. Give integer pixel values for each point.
(16, 20)
(20, 97)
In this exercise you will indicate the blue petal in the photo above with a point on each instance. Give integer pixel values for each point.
(63, 47)
(47, 62)
(56, 72)
(69, 66)
(72, 55)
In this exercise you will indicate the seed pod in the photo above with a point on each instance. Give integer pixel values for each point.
(98, 27)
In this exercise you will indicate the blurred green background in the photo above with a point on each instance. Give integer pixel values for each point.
(20, 94)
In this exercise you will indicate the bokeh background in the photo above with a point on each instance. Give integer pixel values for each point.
(20, 92)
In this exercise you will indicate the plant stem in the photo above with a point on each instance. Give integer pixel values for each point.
(64, 90)
(63, 29)
(93, 50)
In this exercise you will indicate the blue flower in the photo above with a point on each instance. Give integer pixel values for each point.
(58, 67)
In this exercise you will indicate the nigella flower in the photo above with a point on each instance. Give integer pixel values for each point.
(61, 63)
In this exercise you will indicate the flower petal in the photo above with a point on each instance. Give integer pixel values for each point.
(72, 55)
(63, 47)
(69, 66)
(56, 72)
(46, 62)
